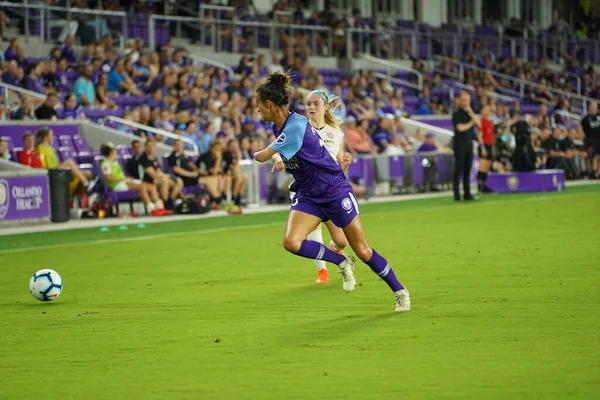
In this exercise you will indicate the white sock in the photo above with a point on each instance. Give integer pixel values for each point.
(317, 236)
(160, 205)
(177, 202)
(150, 207)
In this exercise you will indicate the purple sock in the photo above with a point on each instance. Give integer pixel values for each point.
(318, 251)
(380, 266)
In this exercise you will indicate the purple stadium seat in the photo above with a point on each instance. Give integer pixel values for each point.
(15, 153)
(66, 152)
(65, 141)
(123, 150)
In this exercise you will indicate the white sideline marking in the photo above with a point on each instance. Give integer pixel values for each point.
(138, 238)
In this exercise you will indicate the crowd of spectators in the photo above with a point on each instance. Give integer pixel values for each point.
(205, 105)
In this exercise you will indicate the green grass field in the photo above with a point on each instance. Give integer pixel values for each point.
(505, 292)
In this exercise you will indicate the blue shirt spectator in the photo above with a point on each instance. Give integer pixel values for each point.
(114, 80)
(84, 89)
(67, 51)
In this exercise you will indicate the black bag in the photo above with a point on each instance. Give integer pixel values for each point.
(199, 204)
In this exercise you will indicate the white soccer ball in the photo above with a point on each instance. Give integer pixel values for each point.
(46, 285)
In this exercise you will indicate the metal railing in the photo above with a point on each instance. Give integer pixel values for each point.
(389, 66)
(443, 136)
(522, 84)
(362, 40)
(489, 93)
(6, 89)
(206, 61)
(45, 18)
(155, 131)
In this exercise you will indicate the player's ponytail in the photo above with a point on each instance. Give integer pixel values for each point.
(276, 89)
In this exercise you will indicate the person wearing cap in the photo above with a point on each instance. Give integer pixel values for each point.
(464, 120)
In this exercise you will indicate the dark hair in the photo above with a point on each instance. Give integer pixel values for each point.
(276, 89)
(106, 149)
(26, 135)
(135, 142)
(41, 135)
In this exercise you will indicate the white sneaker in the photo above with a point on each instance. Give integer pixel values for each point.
(402, 300)
(346, 268)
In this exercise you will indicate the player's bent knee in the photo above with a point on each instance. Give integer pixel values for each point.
(363, 252)
(291, 244)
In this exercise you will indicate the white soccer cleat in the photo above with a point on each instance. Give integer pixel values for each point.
(346, 268)
(402, 300)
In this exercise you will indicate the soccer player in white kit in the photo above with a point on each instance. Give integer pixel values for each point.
(320, 115)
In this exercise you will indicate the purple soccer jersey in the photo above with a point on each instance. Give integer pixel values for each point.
(317, 175)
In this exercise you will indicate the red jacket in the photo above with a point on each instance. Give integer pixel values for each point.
(31, 158)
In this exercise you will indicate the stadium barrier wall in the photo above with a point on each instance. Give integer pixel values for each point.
(24, 194)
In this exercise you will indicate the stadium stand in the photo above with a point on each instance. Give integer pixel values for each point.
(132, 77)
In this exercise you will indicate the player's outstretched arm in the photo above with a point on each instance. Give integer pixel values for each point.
(264, 154)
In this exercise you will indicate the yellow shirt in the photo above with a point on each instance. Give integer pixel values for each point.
(47, 156)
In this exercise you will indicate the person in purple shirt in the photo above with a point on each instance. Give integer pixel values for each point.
(67, 51)
(71, 110)
(322, 190)
(34, 80)
(11, 76)
(428, 145)
(382, 137)
(9, 54)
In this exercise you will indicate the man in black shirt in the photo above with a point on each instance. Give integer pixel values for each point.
(210, 166)
(590, 125)
(555, 155)
(463, 121)
(190, 173)
(46, 110)
(168, 186)
(233, 169)
(133, 164)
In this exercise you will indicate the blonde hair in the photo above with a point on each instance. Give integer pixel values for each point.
(330, 119)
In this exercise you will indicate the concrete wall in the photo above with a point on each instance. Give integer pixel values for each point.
(95, 135)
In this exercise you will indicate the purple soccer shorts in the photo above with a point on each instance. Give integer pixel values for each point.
(340, 211)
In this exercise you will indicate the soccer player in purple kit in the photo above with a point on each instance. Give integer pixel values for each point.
(322, 191)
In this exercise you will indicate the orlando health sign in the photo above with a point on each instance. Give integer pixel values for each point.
(24, 197)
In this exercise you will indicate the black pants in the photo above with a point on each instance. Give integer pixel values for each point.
(463, 162)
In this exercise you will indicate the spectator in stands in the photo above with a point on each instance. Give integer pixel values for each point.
(11, 76)
(120, 82)
(10, 52)
(209, 135)
(34, 81)
(189, 172)
(117, 181)
(232, 168)
(210, 164)
(382, 137)
(245, 149)
(67, 50)
(71, 109)
(555, 156)
(4, 153)
(590, 126)
(102, 93)
(20, 57)
(47, 110)
(26, 111)
(82, 180)
(357, 137)
(84, 87)
(169, 187)
(132, 166)
(28, 156)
